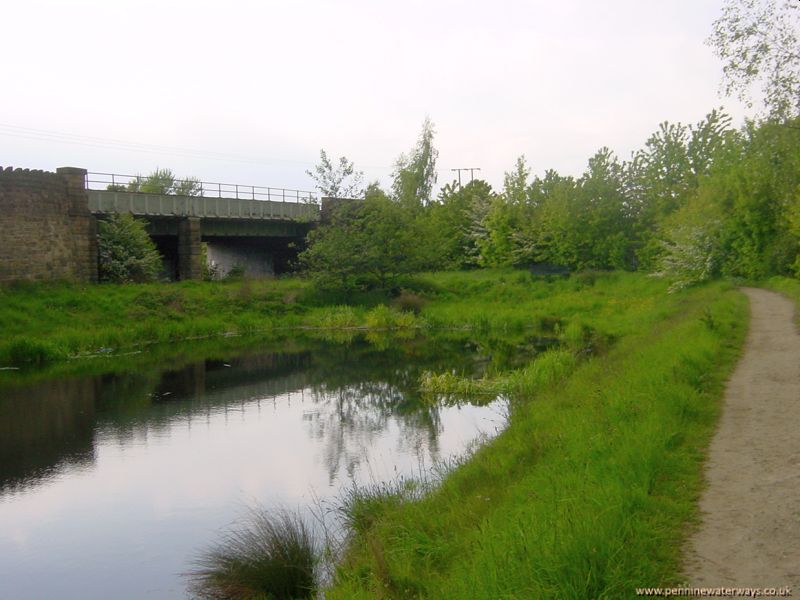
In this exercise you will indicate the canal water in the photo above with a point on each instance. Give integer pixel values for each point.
(112, 484)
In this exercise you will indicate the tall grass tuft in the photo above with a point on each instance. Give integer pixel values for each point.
(359, 506)
(24, 352)
(546, 369)
(271, 555)
(384, 317)
(335, 317)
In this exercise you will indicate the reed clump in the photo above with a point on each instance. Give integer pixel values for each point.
(270, 555)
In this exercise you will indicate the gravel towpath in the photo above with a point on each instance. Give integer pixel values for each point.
(749, 535)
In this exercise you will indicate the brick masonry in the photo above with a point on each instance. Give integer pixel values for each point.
(46, 229)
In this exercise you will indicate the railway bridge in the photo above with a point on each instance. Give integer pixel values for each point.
(258, 230)
(48, 223)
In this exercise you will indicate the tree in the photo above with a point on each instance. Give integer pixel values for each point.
(162, 181)
(341, 181)
(367, 244)
(415, 173)
(125, 251)
(606, 223)
(759, 42)
(544, 235)
(515, 183)
(451, 226)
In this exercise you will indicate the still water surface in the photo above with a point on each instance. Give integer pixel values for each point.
(111, 485)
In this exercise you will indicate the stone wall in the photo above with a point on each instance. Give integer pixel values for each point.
(46, 229)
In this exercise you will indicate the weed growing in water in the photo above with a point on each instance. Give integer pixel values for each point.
(546, 369)
(383, 317)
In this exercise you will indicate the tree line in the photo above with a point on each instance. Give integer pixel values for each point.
(695, 202)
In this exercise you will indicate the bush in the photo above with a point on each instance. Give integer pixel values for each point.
(125, 251)
(408, 301)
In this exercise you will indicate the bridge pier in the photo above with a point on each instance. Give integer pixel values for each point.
(189, 250)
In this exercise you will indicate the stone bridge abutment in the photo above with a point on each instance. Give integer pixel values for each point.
(48, 228)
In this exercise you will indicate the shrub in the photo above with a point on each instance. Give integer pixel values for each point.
(125, 251)
(408, 301)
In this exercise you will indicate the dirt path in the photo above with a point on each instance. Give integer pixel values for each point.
(750, 533)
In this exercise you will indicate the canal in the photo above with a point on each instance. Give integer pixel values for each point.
(112, 484)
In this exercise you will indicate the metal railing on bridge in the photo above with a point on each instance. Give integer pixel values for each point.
(195, 187)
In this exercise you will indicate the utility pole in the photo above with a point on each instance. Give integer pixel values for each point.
(471, 173)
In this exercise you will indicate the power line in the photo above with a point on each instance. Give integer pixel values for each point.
(117, 144)
(471, 173)
(60, 137)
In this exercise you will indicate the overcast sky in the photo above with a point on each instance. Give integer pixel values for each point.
(248, 92)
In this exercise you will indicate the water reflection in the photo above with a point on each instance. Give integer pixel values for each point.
(118, 479)
(45, 430)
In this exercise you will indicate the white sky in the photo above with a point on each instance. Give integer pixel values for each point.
(274, 81)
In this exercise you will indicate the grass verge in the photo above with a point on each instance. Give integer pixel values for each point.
(588, 492)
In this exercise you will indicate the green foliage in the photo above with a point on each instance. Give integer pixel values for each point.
(545, 370)
(408, 301)
(125, 251)
(385, 317)
(415, 173)
(696, 202)
(163, 181)
(336, 317)
(757, 40)
(368, 244)
(360, 506)
(453, 228)
(341, 181)
(452, 386)
(272, 556)
(739, 220)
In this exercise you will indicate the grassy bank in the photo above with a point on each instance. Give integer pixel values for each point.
(588, 492)
(43, 324)
(47, 323)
